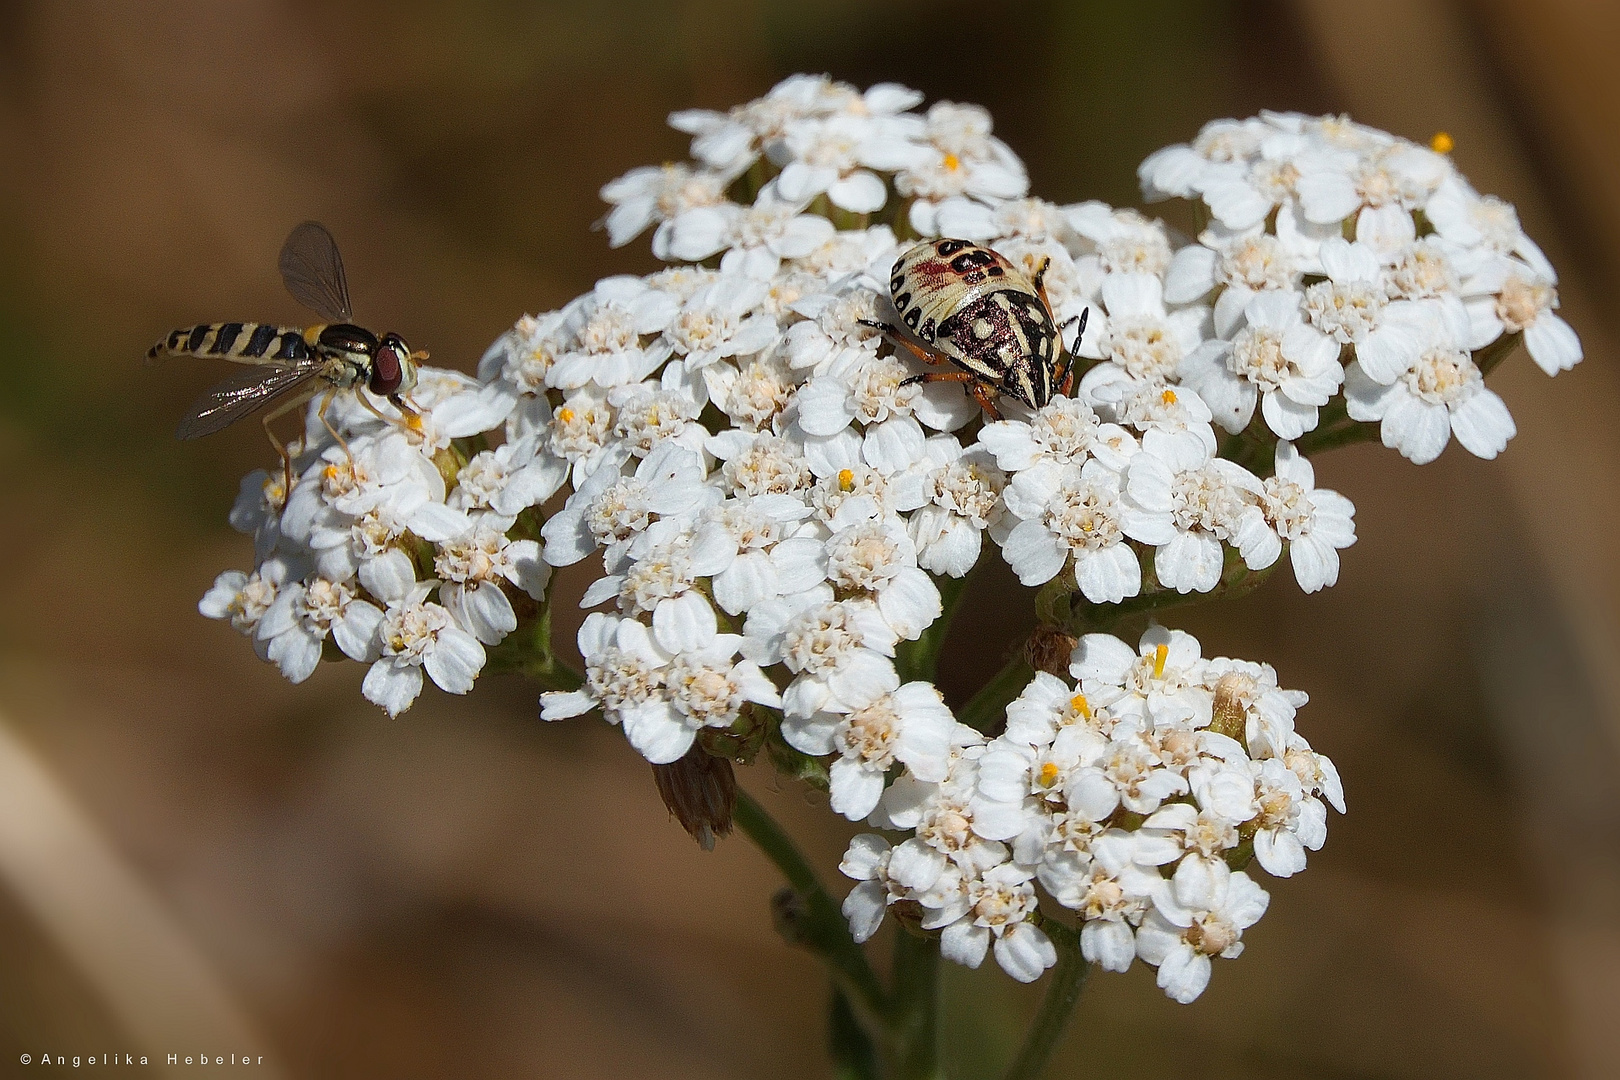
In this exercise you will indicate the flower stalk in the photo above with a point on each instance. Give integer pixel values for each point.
(1068, 979)
(814, 921)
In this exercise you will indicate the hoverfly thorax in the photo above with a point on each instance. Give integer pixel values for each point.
(348, 345)
(393, 371)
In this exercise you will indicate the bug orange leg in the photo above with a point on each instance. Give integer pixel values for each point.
(1066, 382)
(1039, 281)
(895, 335)
(975, 386)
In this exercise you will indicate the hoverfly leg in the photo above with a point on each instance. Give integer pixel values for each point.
(276, 413)
(326, 403)
(406, 408)
(411, 420)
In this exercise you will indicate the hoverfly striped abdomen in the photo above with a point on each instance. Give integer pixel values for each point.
(233, 341)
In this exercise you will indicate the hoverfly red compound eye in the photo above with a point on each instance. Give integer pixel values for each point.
(387, 369)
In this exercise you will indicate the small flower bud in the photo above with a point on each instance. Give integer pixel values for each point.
(1049, 650)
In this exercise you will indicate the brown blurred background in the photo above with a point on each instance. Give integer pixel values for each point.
(197, 857)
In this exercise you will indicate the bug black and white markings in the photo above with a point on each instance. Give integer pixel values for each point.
(967, 304)
(289, 364)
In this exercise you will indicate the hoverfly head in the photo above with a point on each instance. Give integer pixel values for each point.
(393, 367)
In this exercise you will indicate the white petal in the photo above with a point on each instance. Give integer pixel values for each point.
(393, 686)
(963, 943)
(356, 632)
(1279, 851)
(1191, 274)
(657, 733)
(864, 857)
(390, 576)
(1025, 952)
(812, 734)
(1286, 418)
(1184, 974)
(1417, 428)
(1482, 423)
(864, 908)
(893, 445)
(1034, 553)
(296, 653)
(455, 661)
(855, 788)
(910, 603)
(1108, 944)
(559, 705)
(860, 192)
(685, 623)
(1552, 343)
(1327, 197)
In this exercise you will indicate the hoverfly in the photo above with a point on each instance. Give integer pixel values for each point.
(288, 364)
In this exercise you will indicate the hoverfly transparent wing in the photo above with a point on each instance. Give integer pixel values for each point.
(242, 393)
(312, 270)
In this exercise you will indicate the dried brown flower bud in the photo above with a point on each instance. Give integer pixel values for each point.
(701, 791)
(1049, 650)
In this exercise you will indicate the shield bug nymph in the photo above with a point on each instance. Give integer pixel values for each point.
(967, 304)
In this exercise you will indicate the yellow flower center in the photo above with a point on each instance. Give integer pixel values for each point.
(1442, 143)
(1080, 705)
(846, 479)
(1160, 652)
(952, 162)
(566, 415)
(1049, 774)
(1168, 397)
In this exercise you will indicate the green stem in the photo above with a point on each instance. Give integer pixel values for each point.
(990, 703)
(1344, 433)
(1068, 979)
(1236, 580)
(914, 1009)
(1055, 599)
(820, 927)
(920, 659)
(854, 1055)
(1496, 352)
(528, 650)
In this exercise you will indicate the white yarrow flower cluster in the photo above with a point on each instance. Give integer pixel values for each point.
(768, 500)
(395, 547)
(1128, 795)
(1341, 260)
